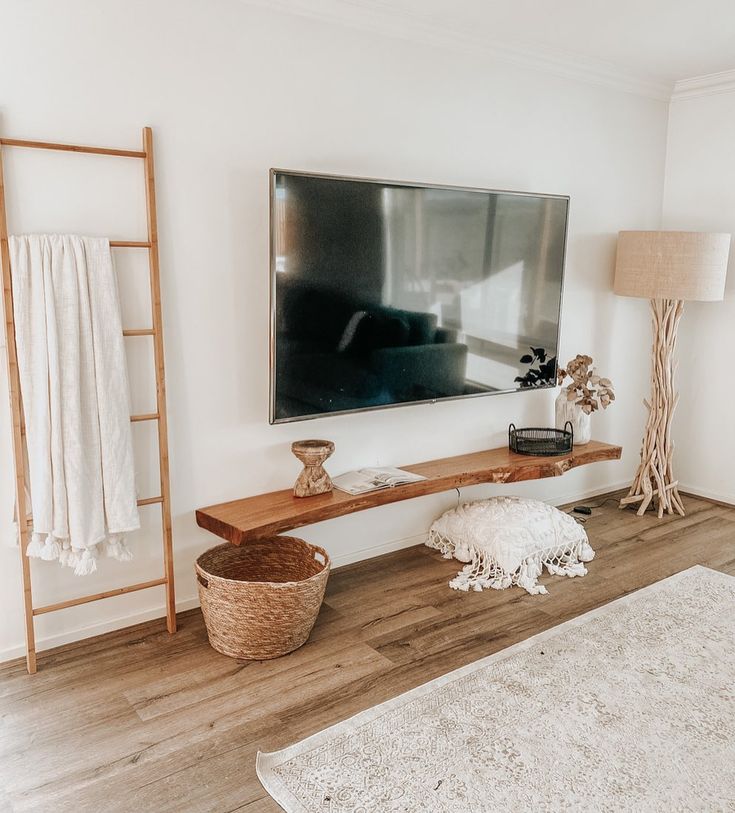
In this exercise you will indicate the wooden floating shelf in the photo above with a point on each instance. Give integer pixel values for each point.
(265, 514)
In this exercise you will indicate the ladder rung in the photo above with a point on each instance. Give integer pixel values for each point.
(50, 145)
(118, 591)
(130, 244)
(142, 331)
(144, 501)
(149, 416)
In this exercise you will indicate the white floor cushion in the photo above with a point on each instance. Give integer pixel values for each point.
(508, 541)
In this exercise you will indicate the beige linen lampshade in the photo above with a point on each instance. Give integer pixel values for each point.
(672, 265)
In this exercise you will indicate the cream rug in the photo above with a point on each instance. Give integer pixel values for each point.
(628, 707)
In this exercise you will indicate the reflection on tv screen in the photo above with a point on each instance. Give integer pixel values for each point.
(386, 294)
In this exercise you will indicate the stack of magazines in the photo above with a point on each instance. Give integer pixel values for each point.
(363, 481)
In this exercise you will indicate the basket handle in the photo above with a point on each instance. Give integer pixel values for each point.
(204, 582)
(511, 430)
(320, 555)
(571, 429)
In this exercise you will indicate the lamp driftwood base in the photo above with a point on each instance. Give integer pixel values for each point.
(655, 477)
(313, 479)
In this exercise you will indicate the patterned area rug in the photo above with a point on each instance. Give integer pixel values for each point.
(628, 707)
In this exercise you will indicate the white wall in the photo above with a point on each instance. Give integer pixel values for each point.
(700, 195)
(230, 91)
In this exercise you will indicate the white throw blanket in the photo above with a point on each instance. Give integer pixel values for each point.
(76, 400)
(508, 541)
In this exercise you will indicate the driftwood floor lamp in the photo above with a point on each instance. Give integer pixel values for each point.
(666, 267)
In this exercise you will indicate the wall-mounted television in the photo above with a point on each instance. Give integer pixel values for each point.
(386, 293)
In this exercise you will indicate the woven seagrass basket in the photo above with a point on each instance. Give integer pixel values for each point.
(261, 599)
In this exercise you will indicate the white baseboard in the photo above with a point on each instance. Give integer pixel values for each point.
(90, 631)
(377, 550)
(80, 633)
(592, 492)
(707, 495)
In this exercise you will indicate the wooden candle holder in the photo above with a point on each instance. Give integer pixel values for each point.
(313, 479)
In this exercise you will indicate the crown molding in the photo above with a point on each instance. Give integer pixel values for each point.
(377, 16)
(707, 85)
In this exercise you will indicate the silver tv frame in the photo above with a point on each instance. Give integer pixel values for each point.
(417, 185)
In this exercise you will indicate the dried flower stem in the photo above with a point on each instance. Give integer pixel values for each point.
(588, 390)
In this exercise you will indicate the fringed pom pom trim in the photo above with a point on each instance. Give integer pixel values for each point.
(484, 572)
(83, 561)
(116, 548)
(86, 563)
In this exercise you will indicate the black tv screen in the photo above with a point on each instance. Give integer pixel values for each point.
(386, 293)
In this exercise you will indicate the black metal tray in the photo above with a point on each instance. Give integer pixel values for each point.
(541, 442)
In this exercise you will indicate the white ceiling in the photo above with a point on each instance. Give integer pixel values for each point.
(659, 41)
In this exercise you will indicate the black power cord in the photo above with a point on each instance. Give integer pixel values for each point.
(586, 510)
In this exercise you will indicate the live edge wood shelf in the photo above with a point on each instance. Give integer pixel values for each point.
(253, 517)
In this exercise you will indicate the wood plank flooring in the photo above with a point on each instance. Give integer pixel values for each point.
(140, 721)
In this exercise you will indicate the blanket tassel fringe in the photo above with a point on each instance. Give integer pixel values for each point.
(51, 548)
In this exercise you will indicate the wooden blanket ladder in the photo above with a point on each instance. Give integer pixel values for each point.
(16, 407)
